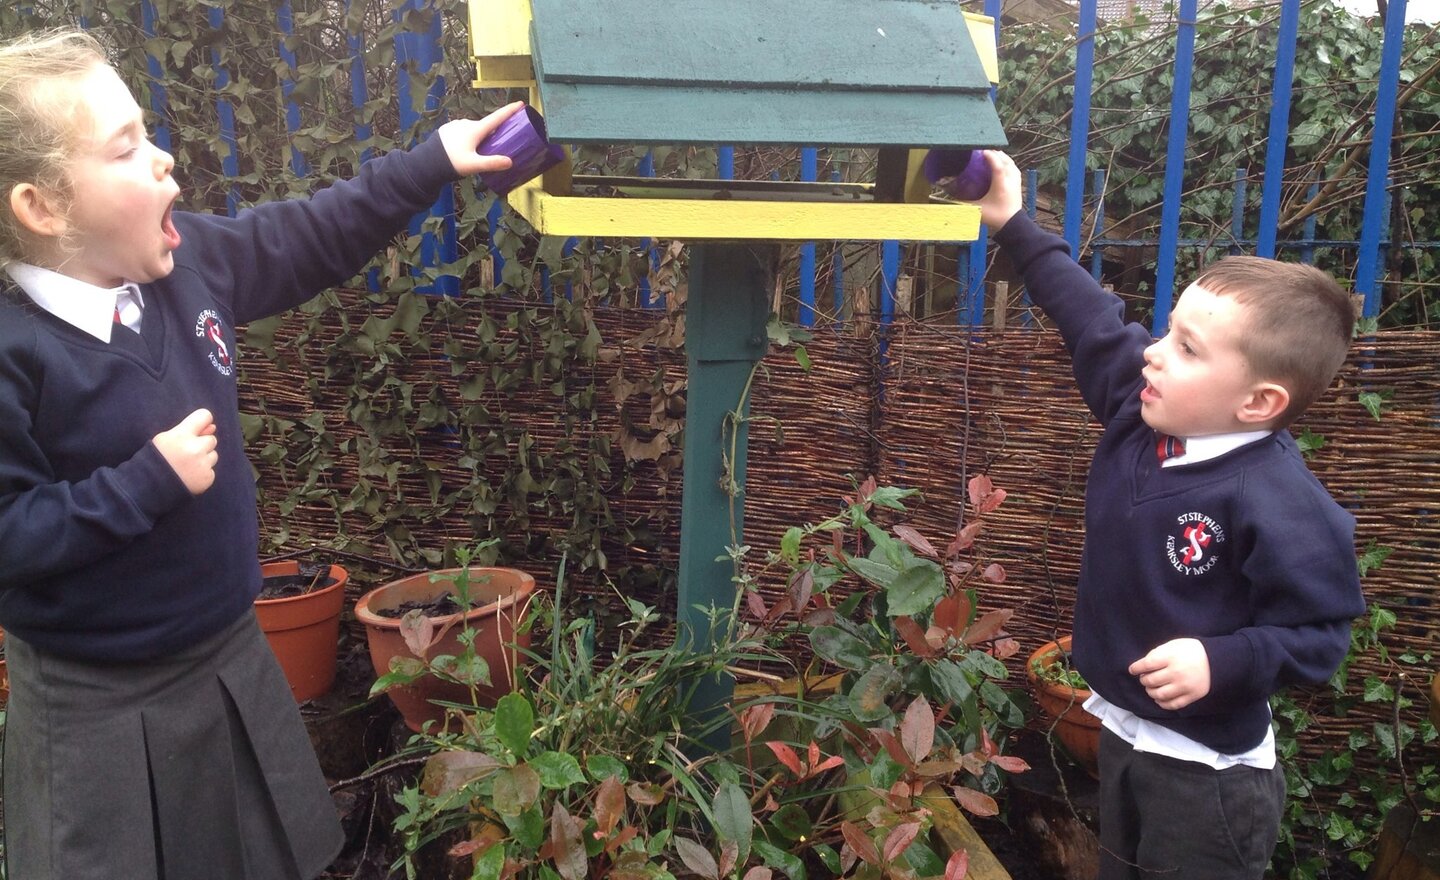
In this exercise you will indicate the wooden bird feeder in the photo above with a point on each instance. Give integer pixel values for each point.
(901, 76)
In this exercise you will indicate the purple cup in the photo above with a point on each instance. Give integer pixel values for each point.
(522, 138)
(963, 174)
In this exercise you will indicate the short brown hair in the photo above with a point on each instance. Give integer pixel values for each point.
(1299, 323)
(38, 134)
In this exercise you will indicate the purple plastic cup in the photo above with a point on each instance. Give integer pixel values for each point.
(963, 174)
(522, 138)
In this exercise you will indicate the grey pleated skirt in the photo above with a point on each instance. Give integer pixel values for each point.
(191, 767)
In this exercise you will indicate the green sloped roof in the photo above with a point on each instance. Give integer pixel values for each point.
(814, 72)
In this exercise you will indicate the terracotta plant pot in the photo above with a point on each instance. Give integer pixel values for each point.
(304, 630)
(1077, 730)
(500, 596)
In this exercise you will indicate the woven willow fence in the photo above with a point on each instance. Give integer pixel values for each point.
(939, 406)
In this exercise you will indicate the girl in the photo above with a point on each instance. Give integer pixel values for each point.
(150, 732)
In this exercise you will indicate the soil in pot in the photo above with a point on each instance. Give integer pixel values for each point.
(308, 578)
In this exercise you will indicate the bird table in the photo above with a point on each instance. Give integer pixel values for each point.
(898, 76)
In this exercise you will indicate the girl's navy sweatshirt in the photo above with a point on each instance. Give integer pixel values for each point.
(104, 555)
(1246, 552)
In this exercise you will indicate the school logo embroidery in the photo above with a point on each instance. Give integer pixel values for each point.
(1194, 550)
(208, 326)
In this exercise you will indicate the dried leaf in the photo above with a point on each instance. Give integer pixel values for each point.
(801, 586)
(964, 539)
(987, 626)
(917, 730)
(566, 847)
(918, 542)
(647, 794)
(754, 720)
(609, 806)
(980, 486)
(697, 858)
(994, 573)
(975, 802)
(449, 771)
(418, 632)
(1010, 763)
(756, 604)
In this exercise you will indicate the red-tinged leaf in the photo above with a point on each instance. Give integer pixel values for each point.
(975, 802)
(779, 609)
(958, 865)
(837, 540)
(771, 805)
(759, 872)
(754, 720)
(820, 617)
(801, 588)
(918, 542)
(729, 855)
(980, 486)
(418, 632)
(917, 730)
(935, 637)
(952, 613)
(626, 835)
(992, 501)
(935, 769)
(989, 624)
(914, 636)
(468, 848)
(812, 755)
(609, 806)
(756, 605)
(987, 745)
(1010, 763)
(964, 539)
(647, 794)
(898, 797)
(994, 573)
(450, 771)
(787, 756)
(892, 746)
(565, 844)
(900, 839)
(697, 858)
(868, 488)
(832, 761)
(1004, 649)
(859, 843)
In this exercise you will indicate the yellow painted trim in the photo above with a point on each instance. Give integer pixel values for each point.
(733, 219)
(499, 27)
(982, 34)
(917, 188)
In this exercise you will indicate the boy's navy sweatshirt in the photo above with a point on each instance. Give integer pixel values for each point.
(104, 555)
(1246, 552)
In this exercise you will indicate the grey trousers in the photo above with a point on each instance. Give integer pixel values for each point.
(1167, 819)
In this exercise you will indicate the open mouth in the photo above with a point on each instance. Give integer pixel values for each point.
(168, 230)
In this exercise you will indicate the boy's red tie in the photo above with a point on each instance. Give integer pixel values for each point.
(1168, 447)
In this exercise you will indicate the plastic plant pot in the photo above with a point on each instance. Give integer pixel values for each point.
(522, 138)
(963, 174)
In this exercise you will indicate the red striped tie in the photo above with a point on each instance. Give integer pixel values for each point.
(1168, 447)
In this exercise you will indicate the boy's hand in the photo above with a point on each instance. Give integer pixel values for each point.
(1003, 201)
(189, 449)
(462, 138)
(1174, 674)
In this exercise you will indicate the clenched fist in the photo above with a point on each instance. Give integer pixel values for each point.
(189, 449)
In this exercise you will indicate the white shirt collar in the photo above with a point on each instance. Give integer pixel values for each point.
(84, 306)
(1198, 449)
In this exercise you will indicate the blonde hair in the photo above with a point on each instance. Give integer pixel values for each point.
(38, 135)
(1297, 327)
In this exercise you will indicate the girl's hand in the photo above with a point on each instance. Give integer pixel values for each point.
(189, 449)
(1003, 201)
(462, 138)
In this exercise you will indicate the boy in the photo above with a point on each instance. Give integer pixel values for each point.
(1216, 569)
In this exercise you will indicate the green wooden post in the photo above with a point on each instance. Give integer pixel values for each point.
(726, 314)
